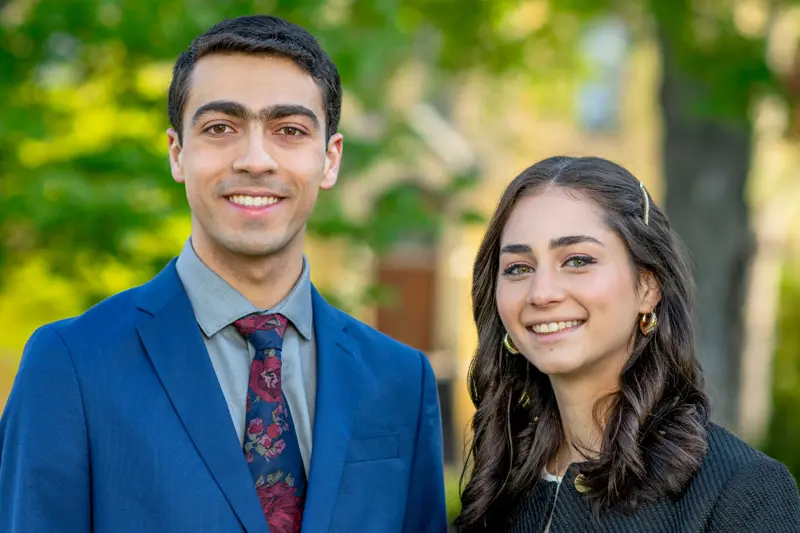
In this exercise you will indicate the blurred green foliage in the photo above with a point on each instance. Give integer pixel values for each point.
(83, 161)
(784, 430)
(452, 495)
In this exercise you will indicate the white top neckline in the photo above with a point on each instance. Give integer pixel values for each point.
(547, 476)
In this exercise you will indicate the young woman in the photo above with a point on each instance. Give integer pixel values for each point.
(591, 414)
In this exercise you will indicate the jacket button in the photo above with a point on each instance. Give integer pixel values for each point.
(579, 484)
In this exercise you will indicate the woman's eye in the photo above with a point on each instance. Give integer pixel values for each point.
(517, 270)
(579, 261)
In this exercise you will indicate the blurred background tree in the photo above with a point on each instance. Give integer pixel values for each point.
(715, 71)
(784, 429)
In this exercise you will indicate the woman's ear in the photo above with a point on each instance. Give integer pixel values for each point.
(649, 291)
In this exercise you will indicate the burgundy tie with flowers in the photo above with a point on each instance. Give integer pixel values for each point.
(270, 443)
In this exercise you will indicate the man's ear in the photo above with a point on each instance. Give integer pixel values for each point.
(650, 292)
(333, 160)
(175, 159)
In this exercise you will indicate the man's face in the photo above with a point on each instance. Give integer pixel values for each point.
(254, 154)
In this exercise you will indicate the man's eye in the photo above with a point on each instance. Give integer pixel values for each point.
(219, 129)
(289, 131)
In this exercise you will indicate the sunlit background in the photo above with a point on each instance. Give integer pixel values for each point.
(445, 102)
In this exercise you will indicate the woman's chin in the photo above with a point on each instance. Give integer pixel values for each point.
(560, 368)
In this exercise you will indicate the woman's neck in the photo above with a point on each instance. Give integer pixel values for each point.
(583, 433)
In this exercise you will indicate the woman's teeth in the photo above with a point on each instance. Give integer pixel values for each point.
(554, 327)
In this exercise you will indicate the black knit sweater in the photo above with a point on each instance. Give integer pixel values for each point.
(736, 490)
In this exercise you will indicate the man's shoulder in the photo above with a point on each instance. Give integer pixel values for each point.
(390, 365)
(376, 344)
(113, 317)
(86, 340)
(367, 334)
(112, 310)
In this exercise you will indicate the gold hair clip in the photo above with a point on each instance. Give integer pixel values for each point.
(646, 204)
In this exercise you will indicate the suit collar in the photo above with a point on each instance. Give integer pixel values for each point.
(216, 304)
(173, 342)
(159, 291)
(339, 367)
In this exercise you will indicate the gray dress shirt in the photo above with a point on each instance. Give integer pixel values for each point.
(217, 305)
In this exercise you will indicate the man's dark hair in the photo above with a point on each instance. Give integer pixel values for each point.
(258, 35)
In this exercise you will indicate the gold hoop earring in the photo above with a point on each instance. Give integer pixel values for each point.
(648, 322)
(509, 344)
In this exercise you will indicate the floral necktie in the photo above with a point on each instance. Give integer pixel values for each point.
(270, 443)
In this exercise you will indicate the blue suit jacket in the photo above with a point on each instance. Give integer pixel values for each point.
(116, 423)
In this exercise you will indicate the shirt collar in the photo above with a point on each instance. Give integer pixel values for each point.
(216, 304)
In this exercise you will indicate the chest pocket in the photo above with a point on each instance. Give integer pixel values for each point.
(373, 448)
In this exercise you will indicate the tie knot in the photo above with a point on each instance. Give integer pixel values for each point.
(263, 331)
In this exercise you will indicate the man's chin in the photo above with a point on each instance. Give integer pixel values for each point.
(255, 250)
(239, 245)
(254, 247)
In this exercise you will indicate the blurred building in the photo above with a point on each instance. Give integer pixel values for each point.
(495, 129)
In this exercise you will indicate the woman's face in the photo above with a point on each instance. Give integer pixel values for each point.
(567, 291)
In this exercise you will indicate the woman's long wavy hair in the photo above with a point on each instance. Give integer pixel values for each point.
(654, 436)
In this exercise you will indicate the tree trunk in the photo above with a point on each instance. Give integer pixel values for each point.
(706, 164)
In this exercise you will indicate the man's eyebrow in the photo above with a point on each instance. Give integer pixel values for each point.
(242, 112)
(224, 107)
(279, 111)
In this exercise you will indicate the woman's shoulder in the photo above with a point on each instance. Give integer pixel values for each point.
(733, 467)
(726, 447)
(728, 455)
(747, 487)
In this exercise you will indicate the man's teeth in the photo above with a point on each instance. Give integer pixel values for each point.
(554, 327)
(253, 201)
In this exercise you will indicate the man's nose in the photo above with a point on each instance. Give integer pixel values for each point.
(255, 157)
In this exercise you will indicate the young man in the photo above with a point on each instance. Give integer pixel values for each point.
(226, 394)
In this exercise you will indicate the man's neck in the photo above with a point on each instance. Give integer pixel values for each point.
(264, 281)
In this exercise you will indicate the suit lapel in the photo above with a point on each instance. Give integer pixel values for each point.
(338, 391)
(173, 342)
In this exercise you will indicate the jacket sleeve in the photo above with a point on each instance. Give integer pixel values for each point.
(425, 509)
(44, 459)
(761, 498)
